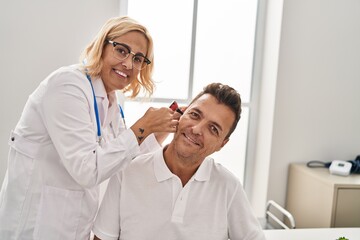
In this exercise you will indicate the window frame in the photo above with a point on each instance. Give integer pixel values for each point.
(252, 105)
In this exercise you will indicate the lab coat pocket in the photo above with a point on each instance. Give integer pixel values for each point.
(21, 164)
(16, 191)
(59, 214)
(23, 145)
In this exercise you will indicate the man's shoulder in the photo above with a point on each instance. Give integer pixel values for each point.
(221, 170)
(144, 159)
(221, 173)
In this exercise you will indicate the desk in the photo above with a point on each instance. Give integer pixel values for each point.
(318, 199)
(313, 234)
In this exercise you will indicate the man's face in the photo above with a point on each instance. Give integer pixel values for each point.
(202, 129)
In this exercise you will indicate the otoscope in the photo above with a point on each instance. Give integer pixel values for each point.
(174, 106)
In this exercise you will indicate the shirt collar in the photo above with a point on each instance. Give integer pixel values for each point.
(204, 171)
(162, 172)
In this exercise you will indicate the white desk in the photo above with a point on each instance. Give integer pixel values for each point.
(313, 234)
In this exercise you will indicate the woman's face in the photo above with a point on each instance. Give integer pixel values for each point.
(117, 74)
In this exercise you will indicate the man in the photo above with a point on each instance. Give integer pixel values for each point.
(179, 192)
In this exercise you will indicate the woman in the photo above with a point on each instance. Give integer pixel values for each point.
(71, 136)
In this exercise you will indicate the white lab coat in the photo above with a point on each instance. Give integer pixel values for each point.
(55, 165)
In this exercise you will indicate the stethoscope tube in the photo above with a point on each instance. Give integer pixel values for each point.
(96, 109)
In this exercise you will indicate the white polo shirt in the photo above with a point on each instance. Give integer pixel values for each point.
(147, 201)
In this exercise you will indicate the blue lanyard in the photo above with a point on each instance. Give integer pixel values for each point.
(97, 111)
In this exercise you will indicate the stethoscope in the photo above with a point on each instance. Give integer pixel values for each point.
(97, 112)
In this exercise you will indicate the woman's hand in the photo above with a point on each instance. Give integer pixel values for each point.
(156, 120)
(161, 136)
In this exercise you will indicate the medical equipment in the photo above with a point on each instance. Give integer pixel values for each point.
(353, 166)
(97, 112)
(339, 167)
(174, 106)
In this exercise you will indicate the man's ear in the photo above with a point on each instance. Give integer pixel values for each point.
(183, 108)
(223, 144)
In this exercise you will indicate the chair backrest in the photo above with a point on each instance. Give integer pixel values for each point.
(279, 215)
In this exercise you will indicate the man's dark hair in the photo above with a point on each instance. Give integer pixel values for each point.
(225, 95)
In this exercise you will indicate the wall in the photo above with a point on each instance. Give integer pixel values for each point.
(37, 37)
(316, 111)
(263, 93)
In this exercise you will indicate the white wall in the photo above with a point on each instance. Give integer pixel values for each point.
(316, 110)
(265, 75)
(36, 37)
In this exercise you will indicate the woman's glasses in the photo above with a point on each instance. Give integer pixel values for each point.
(122, 51)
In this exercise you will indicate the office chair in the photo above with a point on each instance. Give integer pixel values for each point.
(278, 217)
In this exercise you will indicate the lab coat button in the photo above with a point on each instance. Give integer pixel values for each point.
(12, 138)
(94, 151)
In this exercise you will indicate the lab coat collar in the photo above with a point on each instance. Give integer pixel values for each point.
(99, 87)
(105, 99)
(100, 90)
(162, 172)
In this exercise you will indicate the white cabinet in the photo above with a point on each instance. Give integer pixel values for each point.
(319, 199)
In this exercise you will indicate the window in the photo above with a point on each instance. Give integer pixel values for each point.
(198, 42)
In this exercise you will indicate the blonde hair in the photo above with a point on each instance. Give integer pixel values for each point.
(113, 28)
